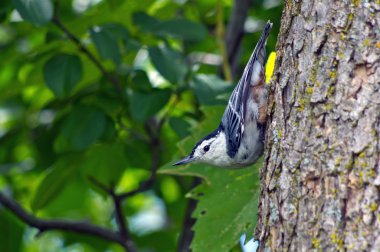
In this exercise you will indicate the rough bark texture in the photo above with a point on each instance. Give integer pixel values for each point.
(321, 179)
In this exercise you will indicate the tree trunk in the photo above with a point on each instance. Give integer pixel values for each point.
(321, 179)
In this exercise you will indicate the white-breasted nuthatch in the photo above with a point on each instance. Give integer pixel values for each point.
(238, 141)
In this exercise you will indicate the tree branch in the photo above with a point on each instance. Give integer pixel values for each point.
(119, 216)
(99, 184)
(220, 29)
(235, 32)
(57, 21)
(120, 220)
(63, 225)
(187, 233)
(152, 128)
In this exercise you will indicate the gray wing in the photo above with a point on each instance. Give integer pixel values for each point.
(233, 117)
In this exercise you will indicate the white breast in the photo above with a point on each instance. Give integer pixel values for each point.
(251, 147)
(256, 78)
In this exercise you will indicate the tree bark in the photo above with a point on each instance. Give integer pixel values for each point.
(321, 179)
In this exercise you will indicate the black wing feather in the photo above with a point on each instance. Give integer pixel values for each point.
(233, 117)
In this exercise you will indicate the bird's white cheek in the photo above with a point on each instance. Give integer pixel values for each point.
(218, 155)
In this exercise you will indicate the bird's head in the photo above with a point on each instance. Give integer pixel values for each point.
(210, 150)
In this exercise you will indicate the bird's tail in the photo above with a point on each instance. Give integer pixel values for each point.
(259, 54)
(254, 70)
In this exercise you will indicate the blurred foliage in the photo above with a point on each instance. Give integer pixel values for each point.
(62, 120)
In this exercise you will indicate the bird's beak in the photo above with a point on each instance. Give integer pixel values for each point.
(184, 161)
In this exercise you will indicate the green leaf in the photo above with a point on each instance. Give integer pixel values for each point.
(176, 28)
(182, 29)
(11, 231)
(145, 105)
(220, 222)
(138, 154)
(169, 63)
(81, 128)
(62, 73)
(145, 22)
(115, 4)
(106, 39)
(89, 242)
(66, 202)
(6, 8)
(38, 12)
(105, 162)
(209, 89)
(54, 182)
(109, 131)
(180, 126)
(105, 43)
(139, 81)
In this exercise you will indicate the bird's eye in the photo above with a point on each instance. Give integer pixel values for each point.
(206, 148)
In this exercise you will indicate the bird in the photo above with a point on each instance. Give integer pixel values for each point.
(238, 141)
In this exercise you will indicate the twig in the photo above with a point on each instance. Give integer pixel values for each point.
(57, 21)
(119, 216)
(99, 184)
(187, 233)
(169, 111)
(121, 222)
(70, 226)
(152, 128)
(220, 38)
(235, 32)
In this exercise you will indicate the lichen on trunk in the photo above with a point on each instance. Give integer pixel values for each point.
(321, 179)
